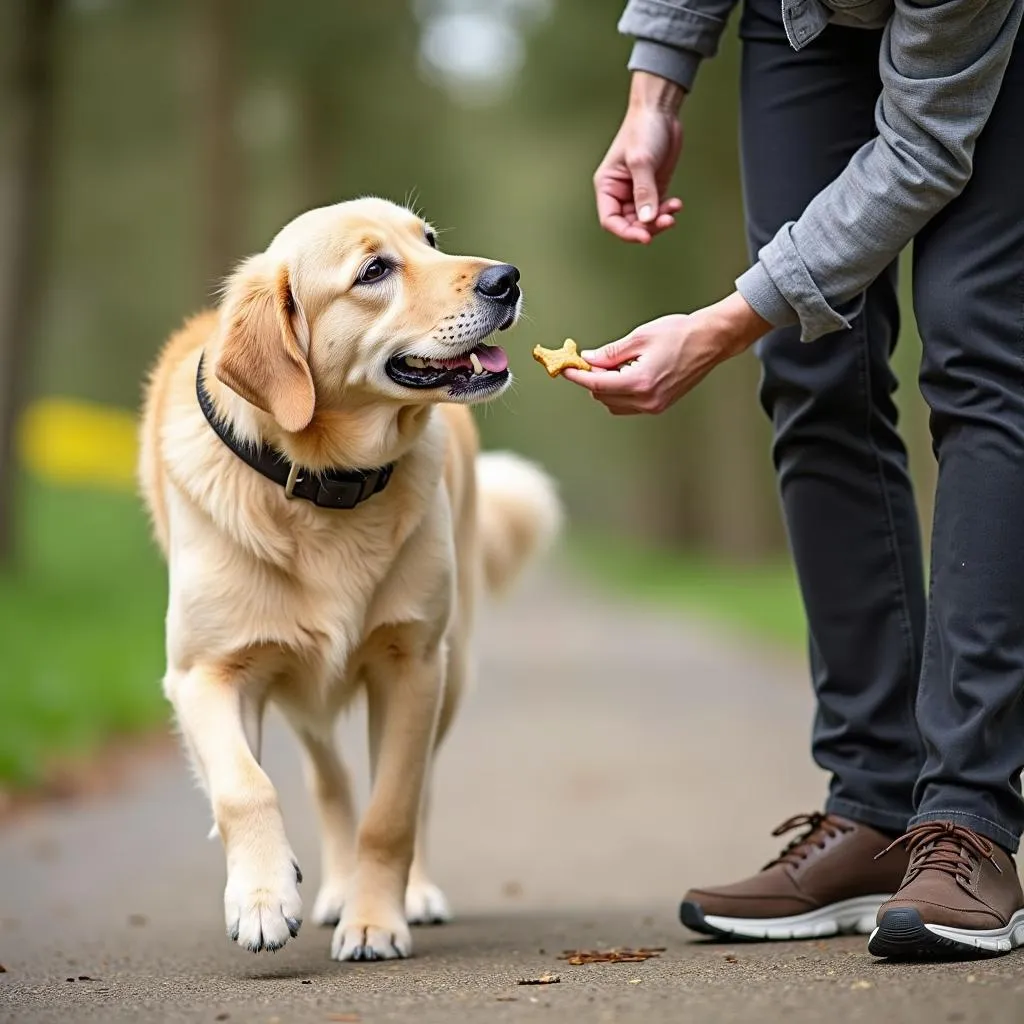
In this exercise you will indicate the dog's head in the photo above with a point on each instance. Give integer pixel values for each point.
(354, 303)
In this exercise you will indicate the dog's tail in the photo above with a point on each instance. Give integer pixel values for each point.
(519, 515)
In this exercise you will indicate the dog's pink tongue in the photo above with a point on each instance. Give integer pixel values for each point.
(492, 358)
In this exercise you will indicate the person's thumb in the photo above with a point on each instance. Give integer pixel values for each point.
(645, 190)
(615, 353)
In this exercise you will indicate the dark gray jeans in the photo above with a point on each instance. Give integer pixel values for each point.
(920, 703)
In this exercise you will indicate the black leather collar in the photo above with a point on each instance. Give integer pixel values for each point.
(332, 488)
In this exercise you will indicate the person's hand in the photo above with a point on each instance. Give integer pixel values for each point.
(633, 177)
(659, 362)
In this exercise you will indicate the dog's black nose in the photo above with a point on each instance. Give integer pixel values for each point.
(500, 284)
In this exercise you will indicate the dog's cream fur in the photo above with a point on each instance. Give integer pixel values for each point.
(277, 600)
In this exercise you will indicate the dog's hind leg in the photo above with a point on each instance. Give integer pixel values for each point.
(404, 684)
(262, 906)
(253, 708)
(425, 903)
(328, 781)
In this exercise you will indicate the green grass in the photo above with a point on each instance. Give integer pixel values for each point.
(81, 629)
(761, 600)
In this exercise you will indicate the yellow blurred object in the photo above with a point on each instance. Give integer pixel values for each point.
(67, 441)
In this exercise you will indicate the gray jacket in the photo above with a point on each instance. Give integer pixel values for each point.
(941, 62)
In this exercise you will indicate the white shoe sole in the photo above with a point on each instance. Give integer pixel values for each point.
(847, 917)
(902, 935)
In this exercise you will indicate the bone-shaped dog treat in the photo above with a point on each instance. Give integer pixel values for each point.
(555, 360)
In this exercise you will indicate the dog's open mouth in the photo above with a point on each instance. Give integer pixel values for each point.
(482, 368)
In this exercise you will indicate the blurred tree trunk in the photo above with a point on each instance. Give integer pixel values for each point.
(23, 234)
(318, 126)
(219, 149)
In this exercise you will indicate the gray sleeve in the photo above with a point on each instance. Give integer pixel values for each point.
(942, 64)
(673, 37)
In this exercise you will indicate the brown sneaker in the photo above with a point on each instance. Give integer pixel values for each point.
(961, 899)
(826, 882)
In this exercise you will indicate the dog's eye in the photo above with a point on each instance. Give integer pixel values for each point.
(376, 269)
(431, 239)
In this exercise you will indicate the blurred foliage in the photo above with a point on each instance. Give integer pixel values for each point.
(82, 629)
(761, 601)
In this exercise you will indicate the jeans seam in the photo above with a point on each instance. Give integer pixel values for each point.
(901, 583)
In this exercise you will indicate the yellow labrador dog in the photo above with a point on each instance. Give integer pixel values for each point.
(313, 478)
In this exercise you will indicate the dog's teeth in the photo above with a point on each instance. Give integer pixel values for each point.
(475, 360)
(415, 362)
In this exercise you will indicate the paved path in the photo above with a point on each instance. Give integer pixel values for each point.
(610, 756)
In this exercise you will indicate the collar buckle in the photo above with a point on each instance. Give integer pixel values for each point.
(293, 479)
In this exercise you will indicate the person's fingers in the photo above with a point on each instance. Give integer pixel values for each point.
(664, 220)
(645, 186)
(612, 384)
(611, 216)
(585, 378)
(670, 206)
(615, 353)
(599, 381)
(626, 230)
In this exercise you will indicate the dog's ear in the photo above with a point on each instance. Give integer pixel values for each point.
(260, 357)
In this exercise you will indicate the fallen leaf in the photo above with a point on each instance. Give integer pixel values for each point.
(730, 959)
(306, 982)
(547, 978)
(577, 957)
(506, 999)
(861, 984)
(85, 977)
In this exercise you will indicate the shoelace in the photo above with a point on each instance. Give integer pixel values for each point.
(944, 846)
(819, 827)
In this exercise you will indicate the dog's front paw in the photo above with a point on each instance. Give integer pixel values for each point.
(262, 906)
(425, 904)
(329, 904)
(360, 938)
